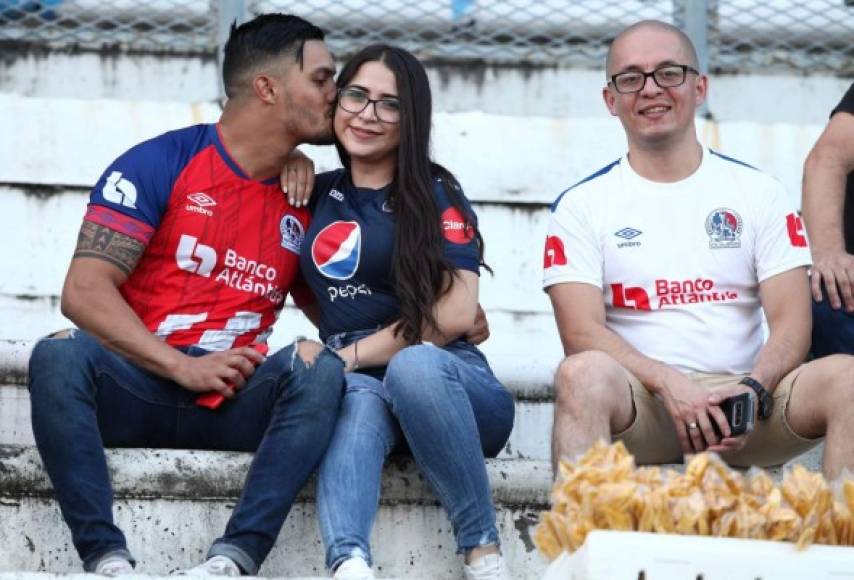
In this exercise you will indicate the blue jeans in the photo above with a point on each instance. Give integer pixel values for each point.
(85, 397)
(448, 409)
(832, 330)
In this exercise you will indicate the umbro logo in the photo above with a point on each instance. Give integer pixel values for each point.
(628, 234)
(200, 201)
(335, 194)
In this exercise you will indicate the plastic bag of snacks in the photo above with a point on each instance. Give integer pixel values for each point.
(604, 490)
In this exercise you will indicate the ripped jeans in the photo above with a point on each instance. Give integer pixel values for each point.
(85, 397)
(442, 405)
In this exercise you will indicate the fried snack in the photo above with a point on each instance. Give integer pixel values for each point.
(604, 490)
(551, 535)
(848, 494)
(806, 491)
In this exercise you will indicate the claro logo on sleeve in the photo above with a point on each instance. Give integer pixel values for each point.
(455, 228)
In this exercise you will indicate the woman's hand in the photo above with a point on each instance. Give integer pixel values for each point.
(297, 178)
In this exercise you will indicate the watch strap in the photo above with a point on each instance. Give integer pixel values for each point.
(766, 402)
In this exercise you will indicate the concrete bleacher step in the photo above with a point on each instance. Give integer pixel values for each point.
(173, 503)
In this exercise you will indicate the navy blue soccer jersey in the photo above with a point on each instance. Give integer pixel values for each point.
(347, 252)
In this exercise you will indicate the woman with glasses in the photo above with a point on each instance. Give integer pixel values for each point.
(393, 255)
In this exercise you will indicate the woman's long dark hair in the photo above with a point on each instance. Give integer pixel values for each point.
(418, 263)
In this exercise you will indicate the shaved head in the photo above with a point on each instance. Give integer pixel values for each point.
(658, 26)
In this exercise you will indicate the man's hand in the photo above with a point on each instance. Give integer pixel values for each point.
(716, 397)
(297, 178)
(692, 413)
(480, 331)
(836, 270)
(223, 372)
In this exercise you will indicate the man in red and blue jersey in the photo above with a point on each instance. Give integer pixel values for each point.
(186, 254)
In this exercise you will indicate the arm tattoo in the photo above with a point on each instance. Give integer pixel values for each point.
(97, 241)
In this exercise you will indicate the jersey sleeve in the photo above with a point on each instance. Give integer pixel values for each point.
(133, 193)
(846, 105)
(572, 252)
(781, 239)
(458, 229)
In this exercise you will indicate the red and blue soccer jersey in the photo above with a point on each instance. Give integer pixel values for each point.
(222, 250)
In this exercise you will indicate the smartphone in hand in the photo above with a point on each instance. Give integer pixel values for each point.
(740, 413)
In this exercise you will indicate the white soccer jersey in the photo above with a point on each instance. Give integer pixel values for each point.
(679, 264)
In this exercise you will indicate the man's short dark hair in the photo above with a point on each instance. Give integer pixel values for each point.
(255, 43)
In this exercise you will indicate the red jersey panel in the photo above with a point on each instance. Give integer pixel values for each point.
(223, 250)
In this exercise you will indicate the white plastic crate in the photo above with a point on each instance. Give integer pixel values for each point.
(609, 555)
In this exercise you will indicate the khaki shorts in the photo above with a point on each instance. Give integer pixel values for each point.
(651, 437)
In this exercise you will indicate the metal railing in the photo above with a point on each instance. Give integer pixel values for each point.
(125, 25)
(731, 35)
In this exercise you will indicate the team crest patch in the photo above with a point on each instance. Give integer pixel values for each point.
(724, 228)
(292, 233)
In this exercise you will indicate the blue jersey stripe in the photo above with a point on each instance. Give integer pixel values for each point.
(599, 173)
(733, 160)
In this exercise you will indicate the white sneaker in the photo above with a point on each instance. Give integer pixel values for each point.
(354, 569)
(216, 566)
(489, 567)
(114, 566)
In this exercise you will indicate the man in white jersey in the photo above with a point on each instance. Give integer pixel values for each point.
(659, 266)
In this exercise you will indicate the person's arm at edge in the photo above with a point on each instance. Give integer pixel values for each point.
(102, 261)
(455, 314)
(825, 171)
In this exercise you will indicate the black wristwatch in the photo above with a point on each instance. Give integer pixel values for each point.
(766, 401)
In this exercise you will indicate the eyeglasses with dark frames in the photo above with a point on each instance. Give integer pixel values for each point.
(667, 76)
(355, 101)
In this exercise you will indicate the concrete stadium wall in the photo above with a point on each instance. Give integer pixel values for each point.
(516, 137)
(511, 166)
(503, 90)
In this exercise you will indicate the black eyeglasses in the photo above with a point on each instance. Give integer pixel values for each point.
(670, 75)
(355, 101)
